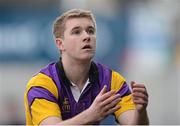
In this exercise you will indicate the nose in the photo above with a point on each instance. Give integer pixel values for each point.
(86, 37)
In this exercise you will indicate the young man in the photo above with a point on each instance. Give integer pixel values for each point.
(76, 90)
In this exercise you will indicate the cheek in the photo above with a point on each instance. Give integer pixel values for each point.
(71, 44)
(94, 40)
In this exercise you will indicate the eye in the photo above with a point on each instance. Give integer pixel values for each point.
(77, 32)
(90, 31)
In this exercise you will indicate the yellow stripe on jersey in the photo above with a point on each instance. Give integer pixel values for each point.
(41, 109)
(116, 81)
(44, 81)
(40, 80)
(126, 102)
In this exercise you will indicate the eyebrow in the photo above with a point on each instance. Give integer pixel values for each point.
(78, 27)
(74, 28)
(91, 27)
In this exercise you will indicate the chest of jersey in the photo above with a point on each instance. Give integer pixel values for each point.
(70, 107)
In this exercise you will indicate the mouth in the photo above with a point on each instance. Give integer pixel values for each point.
(87, 47)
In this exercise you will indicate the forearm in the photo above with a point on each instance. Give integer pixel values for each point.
(140, 118)
(83, 118)
(80, 119)
(133, 117)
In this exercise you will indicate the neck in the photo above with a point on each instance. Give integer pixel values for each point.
(76, 71)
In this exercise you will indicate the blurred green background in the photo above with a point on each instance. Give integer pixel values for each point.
(138, 38)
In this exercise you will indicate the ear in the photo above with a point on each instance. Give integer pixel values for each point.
(59, 44)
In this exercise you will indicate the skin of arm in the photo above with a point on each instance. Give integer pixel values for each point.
(104, 104)
(139, 115)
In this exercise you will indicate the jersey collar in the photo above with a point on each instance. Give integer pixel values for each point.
(93, 73)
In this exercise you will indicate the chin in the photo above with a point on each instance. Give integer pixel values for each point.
(86, 57)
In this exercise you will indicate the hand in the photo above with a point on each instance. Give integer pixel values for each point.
(140, 96)
(104, 104)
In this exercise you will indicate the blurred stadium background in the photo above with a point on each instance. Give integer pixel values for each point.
(138, 38)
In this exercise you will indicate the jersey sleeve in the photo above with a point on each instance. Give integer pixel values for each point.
(41, 99)
(119, 84)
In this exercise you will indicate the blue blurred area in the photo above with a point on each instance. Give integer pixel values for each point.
(26, 35)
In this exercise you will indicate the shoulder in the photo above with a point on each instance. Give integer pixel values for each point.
(105, 69)
(44, 80)
(117, 81)
(117, 76)
(111, 78)
(104, 74)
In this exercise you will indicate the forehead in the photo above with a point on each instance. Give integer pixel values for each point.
(78, 22)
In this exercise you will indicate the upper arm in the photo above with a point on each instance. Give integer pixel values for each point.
(126, 117)
(119, 84)
(51, 120)
(42, 109)
(41, 100)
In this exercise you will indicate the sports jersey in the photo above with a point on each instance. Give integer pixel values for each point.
(48, 93)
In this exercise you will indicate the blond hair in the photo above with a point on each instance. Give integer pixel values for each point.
(59, 23)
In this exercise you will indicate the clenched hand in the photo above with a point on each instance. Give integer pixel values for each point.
(140, 96)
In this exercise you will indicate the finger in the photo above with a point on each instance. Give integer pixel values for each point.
(140, 102)
(112, 110)
(140, 95)
(141, 98)
(140, 90)
(135, 85)
(132, 84)
(103, 90)
(107, 95)
(110, 99)
(112, 104)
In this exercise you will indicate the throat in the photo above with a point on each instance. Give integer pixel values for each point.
(80, 87)
(79, 81)
(77, 73)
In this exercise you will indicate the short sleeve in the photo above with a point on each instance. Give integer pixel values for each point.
(119, 84)
(41, 100)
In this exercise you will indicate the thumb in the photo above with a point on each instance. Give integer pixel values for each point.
(132, 84)
(103, 90)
